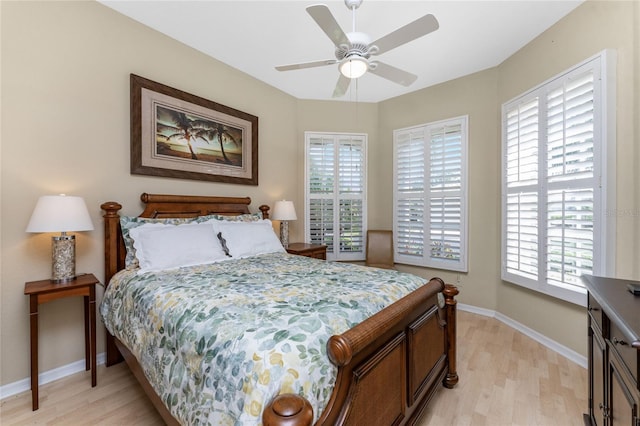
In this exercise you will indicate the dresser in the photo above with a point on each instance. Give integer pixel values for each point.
(614, 352)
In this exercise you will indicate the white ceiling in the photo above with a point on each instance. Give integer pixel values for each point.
(256, 36)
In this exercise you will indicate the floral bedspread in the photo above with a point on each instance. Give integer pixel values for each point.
(218, 342)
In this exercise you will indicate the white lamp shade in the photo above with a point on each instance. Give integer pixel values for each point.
(354, 66)
(60, 213)
(284, 210)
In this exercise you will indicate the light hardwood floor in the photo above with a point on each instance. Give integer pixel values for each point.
(505, 379)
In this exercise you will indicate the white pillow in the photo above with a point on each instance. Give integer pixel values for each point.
(246, 239)
(160, 246)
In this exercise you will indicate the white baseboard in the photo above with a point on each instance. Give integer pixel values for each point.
(47, 376)
(538, 337)
(78, 366)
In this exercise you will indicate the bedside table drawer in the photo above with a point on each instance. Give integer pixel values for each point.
(318, 254)
(315, 251)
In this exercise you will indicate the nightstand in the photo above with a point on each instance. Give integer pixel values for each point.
(316, 251)
(45, 291)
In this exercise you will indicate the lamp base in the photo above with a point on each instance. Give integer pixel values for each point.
(63, 267)
(284, 233)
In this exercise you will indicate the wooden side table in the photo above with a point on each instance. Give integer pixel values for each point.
(45, 291)
(309, 250)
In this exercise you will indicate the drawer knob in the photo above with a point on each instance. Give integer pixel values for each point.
(592, 309)
(619, 342)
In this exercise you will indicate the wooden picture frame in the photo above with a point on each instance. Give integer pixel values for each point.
(180, 135)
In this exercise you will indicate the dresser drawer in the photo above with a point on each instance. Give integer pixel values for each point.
(627, 353)
(597, 315)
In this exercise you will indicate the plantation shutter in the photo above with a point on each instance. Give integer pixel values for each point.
(336, 194)
(410, 196)
(429, 195)
(554, 160)
(321, 173)
(521, 215)
(570, 181)
(351, 186)
(445, 193)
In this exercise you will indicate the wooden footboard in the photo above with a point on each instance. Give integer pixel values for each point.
(389, 366)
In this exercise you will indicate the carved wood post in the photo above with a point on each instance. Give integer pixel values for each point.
(288, 410)
(264, 209)
(111, 255)
(450, 291)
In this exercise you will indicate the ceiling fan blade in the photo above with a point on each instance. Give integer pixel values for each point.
(323, 17)
(392, 73)
(341, 86)
(411, 31)
(306, 65)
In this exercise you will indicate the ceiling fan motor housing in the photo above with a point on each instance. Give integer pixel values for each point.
(359, 45)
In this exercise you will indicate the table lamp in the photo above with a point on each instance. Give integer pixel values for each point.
(61, 213)
(284, 212)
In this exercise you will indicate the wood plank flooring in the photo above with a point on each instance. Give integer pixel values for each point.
(505, 379)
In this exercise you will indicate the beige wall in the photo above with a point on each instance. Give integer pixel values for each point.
(65, 128)
(591, 28)
(475, 96)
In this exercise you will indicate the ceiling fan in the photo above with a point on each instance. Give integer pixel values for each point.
(354, 49)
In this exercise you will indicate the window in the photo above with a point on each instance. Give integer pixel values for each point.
(336, 188)
(430, 200)
(554, 185)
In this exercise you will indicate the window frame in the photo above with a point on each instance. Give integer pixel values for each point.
(604, 147)
(334, 253)
(425, 260)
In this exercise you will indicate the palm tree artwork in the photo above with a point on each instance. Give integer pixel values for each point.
(181, 134)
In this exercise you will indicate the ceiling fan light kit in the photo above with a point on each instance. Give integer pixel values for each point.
(354, 49)
(354, 66)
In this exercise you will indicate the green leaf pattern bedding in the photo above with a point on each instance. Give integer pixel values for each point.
(217, 342)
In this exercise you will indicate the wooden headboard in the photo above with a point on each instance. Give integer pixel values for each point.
(164, 206)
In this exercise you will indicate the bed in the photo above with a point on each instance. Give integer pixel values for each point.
(380, 369)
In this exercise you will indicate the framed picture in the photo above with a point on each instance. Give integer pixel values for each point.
(176, 134)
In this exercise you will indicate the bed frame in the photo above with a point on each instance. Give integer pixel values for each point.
(389, 366)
